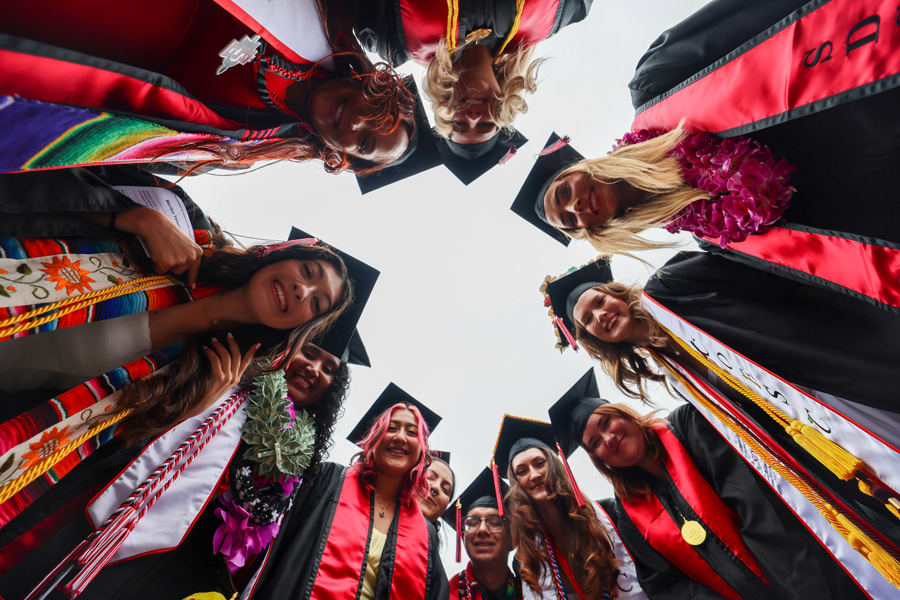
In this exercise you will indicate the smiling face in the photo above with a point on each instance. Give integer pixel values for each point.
(399, 449)
(309, 374)
(485, 546)
(607, 318)
(440, 486)
(530, 468)
(578, 201)
(476, 93)
(341, 116)
(289, 293)
(615, 440)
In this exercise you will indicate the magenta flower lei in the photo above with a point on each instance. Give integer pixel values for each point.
(749, 189)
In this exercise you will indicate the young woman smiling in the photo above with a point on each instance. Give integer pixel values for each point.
(441, 484)
(201, 90)
(359, 530)
(680, 474)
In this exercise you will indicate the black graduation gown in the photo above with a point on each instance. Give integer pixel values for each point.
(35, 204)
(793, 562)
(812, 337)
(290, 569)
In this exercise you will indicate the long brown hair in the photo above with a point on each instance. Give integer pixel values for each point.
(628, 365)
(392, 104)
(590, 540)
(160, 401)
(631, 482)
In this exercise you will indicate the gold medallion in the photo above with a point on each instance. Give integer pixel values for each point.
(693, 532)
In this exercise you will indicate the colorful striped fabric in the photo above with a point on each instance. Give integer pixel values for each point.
(36, 433)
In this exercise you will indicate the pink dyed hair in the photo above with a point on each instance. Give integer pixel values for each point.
(363, 463)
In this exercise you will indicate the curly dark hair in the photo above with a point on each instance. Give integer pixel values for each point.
(158, 402)
(325, 414)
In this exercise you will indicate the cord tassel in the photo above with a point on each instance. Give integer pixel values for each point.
(565, 330)
(509, 154)
(578, 495)
(839, 461)
(497, 488)
(563, 141)
(458, 530)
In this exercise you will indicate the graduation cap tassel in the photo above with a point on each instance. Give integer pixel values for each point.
(497, 487)
(565, 330)
(563, 141)
(458, 530)
(509, 154)
(575, 489)
(264, 250)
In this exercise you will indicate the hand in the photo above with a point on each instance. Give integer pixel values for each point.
(171, 250)
(227, 366)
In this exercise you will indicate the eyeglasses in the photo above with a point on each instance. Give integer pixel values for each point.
(494, 523)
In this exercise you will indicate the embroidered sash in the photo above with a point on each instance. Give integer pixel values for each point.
(664, 534)
(797, 495)
(824, 54)
(342, 566)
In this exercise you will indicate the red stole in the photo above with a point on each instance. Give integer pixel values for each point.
(664, 534)
(841, 50)
(343, 562)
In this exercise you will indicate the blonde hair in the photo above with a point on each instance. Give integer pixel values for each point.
(645, 166)
(626, 363)
(632, 482)
(516, 73)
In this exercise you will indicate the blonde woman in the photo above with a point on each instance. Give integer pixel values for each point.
(479, 63)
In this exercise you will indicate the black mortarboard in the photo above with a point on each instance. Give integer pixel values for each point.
(469, 162)
(391, 395)
(480, 493)
(565, 291)
(441, 454)
(517, 435)
(570, 414)
(343, 340)
(544, 171)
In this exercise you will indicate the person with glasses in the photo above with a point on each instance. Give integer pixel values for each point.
(477, 518)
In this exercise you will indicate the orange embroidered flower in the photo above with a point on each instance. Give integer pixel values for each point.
(49, 442)
(68, 275)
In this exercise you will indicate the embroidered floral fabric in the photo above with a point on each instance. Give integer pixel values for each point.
(749, 189)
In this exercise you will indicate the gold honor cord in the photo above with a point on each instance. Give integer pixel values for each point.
(876, 555)
(520, 6)
(837, 460)
(452, 22)
(61, 452)
(69, 305)
(478, 34)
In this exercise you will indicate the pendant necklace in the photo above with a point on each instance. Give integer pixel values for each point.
(379, 502)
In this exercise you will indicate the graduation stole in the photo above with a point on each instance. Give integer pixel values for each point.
(340, 571)
(868, 556)
(48, 284)
(468, 587)
(827, 53)
(667, 536)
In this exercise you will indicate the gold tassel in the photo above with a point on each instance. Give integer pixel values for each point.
(478, 35)
(839, 461)
(886, 564)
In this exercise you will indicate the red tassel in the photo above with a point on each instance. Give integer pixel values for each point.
(563, 141)
(263, 250)
(565, 331)
(497, 487)
(575, 489)
(458, 530)
(509, 154)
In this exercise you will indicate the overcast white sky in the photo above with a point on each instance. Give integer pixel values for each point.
(456, 318)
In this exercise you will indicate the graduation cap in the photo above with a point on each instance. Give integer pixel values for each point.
(565, 291)
(556, 157)
(518, 434)
(391, 395)
(468, 162)
(343, 340)
(570, 414)
(480, 493)
(440, 455)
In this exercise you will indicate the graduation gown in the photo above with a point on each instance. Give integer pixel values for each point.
(784, 560)
(828, 108)
(400, 30)
(100, 95)
(309, 558)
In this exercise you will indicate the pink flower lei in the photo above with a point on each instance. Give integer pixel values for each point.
(749, 189)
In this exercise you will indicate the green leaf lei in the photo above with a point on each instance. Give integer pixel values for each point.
(281, 446)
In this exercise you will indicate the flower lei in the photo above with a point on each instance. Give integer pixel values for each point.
(747, 186)
(279, 447)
